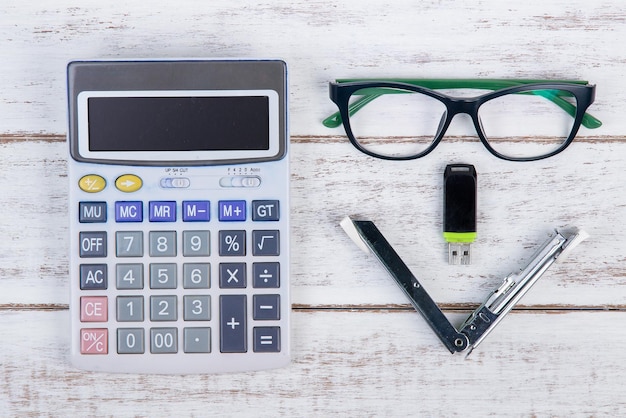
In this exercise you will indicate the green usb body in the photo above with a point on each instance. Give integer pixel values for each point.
(459, 211)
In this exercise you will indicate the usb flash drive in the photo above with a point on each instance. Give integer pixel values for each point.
(459, 211)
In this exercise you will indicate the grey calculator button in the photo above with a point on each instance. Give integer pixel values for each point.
(92, 212)
(266, 275)
(162, 243)
(265, 210)
(196, 308)
(196, 243)
(129, 243)
(197, 340)
(265, 243)
(130, 341)
(196, 275)
(163, 340)
(163, 276)
(233, 328)
(163, 308)
(129, 276)
(266, 339)
(93, 244)
(93, 276)
(232, 243)
(233, 275)
(266, 307)
(129, 308)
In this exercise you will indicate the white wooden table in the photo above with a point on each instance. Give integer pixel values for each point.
(358, 347)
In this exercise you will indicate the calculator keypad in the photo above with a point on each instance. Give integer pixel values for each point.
(156, 304)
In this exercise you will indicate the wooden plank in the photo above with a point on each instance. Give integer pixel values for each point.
(351, 363)
(519, 204)
(320, 42)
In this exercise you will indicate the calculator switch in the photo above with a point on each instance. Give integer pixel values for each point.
(175, 182)
(240, 181)
(128, 183)
(92, 183)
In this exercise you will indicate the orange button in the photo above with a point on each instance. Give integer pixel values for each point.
(92, 183)
(128, 183)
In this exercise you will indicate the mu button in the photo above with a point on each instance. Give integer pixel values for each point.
(128, 183)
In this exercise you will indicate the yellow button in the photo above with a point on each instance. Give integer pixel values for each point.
(92, 183)
(128, 183)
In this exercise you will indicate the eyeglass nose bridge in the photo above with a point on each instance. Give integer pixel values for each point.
(456, 106)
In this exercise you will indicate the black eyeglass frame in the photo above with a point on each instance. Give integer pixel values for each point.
(340, 93)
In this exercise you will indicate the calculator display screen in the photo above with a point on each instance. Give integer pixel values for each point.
(230, 123)
(163, 127)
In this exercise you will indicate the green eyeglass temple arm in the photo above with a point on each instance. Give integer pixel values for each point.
(588, 121)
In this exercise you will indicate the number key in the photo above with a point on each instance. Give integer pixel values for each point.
(163, 308)
(162, 243)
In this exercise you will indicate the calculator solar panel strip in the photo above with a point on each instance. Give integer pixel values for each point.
(179, 215)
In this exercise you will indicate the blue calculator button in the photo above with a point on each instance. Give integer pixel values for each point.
(232, 210)
(196, 211)
(162, 211)
(128, 211)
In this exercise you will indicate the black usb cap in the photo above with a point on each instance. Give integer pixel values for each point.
(459, 211)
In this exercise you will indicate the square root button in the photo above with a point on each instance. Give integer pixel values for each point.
(265, 243)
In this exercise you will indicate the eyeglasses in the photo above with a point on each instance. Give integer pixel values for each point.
(519, 120)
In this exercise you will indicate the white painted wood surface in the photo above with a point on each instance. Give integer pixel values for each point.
(358, 349)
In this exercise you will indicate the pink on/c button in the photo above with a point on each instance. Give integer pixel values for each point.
(94, 309)
(94, 341)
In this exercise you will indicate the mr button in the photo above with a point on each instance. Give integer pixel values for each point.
(265, 210)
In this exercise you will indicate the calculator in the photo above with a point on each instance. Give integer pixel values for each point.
(179, 215)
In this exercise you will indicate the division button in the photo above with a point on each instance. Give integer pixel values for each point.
(128, 183)
(265, 275)
(233, 328)
(92, 183)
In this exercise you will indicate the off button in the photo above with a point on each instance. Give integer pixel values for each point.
(128, 183)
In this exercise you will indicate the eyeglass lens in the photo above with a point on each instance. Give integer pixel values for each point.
(401, 123)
